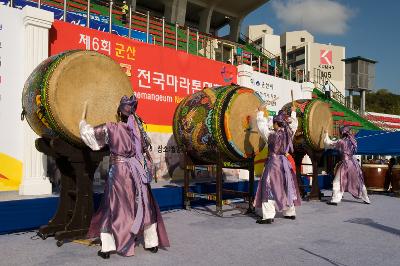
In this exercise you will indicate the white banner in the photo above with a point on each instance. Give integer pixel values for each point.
(272, 88)
(11, 85)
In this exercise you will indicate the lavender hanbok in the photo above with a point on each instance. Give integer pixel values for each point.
(277, 188)
(128, 210)
(348, 174)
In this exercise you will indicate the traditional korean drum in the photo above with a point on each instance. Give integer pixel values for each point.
(396, 178)
(54, 94)
(219, 119)
(374, 176)
(314, 117)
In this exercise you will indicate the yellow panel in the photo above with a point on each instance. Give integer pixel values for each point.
(10, 173)
(158, 128)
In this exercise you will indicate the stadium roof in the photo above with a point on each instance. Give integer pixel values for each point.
(356, 58)
(222, 10)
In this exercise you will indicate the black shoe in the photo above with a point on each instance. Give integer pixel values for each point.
(153, 249)
(104, 255)
(265, 221)
(331, 203)
(293, 217)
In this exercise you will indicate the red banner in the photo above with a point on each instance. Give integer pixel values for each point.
(161, 77)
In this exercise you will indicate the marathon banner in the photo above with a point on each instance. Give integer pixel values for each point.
(161, 77)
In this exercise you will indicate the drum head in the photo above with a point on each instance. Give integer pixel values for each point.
(318, 117)
(84, 76)
(240, 123)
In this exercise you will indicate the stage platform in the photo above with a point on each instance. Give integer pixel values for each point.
(350, 234)
(21, 213)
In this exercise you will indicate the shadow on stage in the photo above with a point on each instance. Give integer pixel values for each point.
(323, 258)
(371, 223)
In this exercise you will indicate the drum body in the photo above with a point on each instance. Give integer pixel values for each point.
(219, 119)
(374, 176)
(396, 178)
(314, 117)
(54, 94)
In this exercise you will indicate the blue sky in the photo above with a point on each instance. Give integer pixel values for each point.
(364, 27)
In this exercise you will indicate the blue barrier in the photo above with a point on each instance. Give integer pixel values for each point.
(22, 215)
(324, 182)
(28, 214)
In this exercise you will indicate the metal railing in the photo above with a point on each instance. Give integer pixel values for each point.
(257, 46)
(319, 83)
(287, 70)
(190, 40)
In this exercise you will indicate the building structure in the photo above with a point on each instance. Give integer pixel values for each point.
(360, 76)
(298, 50)
(205, 15)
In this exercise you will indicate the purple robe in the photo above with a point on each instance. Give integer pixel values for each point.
(277, 181)
(128, 204)
(351, 177)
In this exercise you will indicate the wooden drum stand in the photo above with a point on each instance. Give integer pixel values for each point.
(190, 165)
(75, 208)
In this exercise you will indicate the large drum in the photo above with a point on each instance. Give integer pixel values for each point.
(374, 176)
(396, 178)
(54, 94)
(219, 119)
(314, 117)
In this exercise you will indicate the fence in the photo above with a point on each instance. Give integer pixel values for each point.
(158, 31)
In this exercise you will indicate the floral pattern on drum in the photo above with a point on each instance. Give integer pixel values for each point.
(32, 100)
(218, 119)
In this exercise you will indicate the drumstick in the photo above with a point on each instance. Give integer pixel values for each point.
(291, 94)
(84, 110)
(322, 136)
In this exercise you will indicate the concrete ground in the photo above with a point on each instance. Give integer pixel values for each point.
(349, 234)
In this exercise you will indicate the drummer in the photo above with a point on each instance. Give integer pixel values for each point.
(128, 211)
(348, 174)
(277, 188)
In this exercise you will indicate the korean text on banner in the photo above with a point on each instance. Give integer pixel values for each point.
(161, 77)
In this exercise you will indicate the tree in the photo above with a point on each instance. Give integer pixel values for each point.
(381, 101)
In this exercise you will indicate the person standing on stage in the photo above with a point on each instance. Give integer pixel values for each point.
(277, 187)
(128, 211)
(348, 174)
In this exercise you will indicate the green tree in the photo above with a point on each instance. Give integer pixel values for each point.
(381, 101)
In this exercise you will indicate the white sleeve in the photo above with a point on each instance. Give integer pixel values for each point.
(328, 142)
(294, 122)
(87, 135)
(262, 125)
